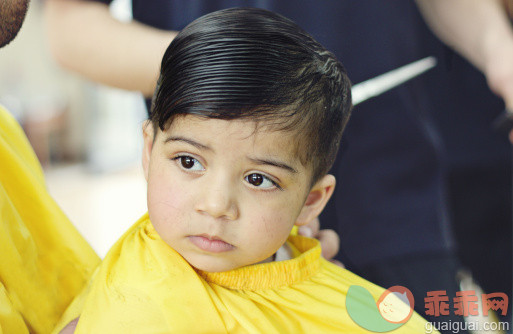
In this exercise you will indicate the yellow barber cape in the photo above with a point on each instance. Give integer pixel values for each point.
(144, 286)
(44, 262)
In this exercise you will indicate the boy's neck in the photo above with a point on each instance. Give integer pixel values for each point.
(283, 253)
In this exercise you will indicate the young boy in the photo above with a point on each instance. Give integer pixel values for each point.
(245, 124)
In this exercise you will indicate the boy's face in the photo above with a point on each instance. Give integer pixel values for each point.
(225, 195)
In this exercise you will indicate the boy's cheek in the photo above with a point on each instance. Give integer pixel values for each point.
(165, 204)
(167, 221)
(268, 233)
(273, 225)
(162, 199)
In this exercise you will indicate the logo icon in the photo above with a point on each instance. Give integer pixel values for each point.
(392, 310)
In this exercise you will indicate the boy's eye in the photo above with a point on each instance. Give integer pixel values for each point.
(190, 163)
(261, 181)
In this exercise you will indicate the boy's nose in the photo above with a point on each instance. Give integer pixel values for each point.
(217, 200)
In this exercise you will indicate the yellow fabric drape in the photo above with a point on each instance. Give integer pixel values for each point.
(44, 261)
(144, 286)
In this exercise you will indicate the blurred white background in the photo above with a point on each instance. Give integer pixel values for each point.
(87, 137)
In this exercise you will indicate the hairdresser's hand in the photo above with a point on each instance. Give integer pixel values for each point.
(330, 242)
(500, 80)
(498, 64)
(480, 31)
(499, 74)
(502, 85)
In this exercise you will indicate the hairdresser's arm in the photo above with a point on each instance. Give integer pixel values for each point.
(85, 38)
(480, 31)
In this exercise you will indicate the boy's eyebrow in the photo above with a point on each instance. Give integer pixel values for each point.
(257, 161)
(188, 141)
(273, 163)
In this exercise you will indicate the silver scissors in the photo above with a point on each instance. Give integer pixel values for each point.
(382, 83)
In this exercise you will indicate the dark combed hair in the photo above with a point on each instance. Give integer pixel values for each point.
(248, 63)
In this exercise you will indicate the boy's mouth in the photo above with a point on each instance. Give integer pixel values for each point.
(211, 244)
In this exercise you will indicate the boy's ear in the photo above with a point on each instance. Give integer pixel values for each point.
(148, 136)
(316, 200)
